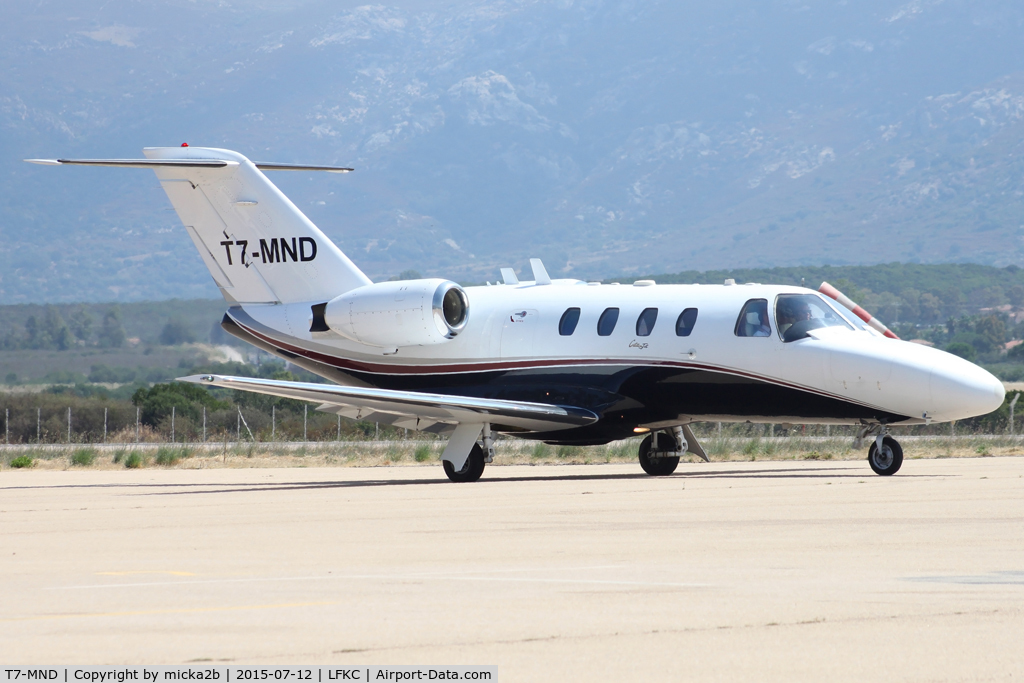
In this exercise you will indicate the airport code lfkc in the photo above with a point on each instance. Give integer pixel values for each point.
(226, 674)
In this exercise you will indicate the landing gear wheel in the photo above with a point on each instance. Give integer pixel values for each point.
(470, 471)
(658, 466)
(888, 460)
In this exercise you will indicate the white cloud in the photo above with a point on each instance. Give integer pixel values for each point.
(122, 36)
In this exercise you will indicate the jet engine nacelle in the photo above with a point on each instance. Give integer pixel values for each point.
(404, 313)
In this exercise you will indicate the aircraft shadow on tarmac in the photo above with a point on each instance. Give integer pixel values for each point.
(855, 471)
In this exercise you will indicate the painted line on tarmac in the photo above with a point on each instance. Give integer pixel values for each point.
(394, 577)
(193, 610)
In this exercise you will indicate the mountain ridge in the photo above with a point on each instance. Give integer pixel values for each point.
(608, 138)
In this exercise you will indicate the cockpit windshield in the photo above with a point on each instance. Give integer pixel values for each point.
(797, 314)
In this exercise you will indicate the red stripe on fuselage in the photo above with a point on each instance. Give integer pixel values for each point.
(464, 368)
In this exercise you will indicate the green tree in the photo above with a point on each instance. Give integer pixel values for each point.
(187, 400)
(962, 349)
(81, 324)
(930, 307)
(112, 334)
(175, 332)
(993, 329)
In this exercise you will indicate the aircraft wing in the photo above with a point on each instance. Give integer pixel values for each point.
(412, 409)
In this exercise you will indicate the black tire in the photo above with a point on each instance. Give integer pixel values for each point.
(887, 462)
(658, 467)
(472, 470)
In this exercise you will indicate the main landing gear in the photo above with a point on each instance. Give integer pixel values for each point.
(885, 454)
(472, 470)
(479, 441)
(659, 454)
(660, 451)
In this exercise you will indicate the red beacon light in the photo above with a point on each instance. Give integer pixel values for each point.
(184, 144)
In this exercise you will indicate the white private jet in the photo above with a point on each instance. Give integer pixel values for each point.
(560, 361)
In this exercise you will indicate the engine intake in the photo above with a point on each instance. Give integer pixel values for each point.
(404, 313)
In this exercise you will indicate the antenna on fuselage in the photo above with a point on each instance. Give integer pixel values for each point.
(540, 273)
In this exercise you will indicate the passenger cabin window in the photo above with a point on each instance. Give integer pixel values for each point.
(567, 325)
(753, 320)
(606, 323)
(798, 314)
(685, 322)
(645, 323)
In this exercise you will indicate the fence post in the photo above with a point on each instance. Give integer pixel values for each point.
(273, 423)
(39, 419)
(173, 409)
(376, 431)
(339, 426)
(7, 425)
(305, 415)
(1012, 404)
(204, 424)
(238, 426)
(69, 424)
(137, 409)
(105, 425)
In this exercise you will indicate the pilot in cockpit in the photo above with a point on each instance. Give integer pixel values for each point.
(791, 310)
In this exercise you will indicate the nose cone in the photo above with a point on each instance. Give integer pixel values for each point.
(960, 389)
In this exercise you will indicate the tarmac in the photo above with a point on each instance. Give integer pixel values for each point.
(741, 571)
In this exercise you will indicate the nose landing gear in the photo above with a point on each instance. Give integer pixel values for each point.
(885, 455)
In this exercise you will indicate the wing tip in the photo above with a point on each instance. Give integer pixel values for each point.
(197, 379)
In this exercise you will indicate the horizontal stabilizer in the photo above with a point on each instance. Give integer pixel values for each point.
(137, 163)
(265, 166)
(185, 163)
(258, 246)
(430, 408)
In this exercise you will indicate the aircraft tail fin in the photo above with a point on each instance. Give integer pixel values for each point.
(258, 246)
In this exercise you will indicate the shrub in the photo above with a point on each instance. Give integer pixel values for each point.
(423, 453)
(167, 456)
(83, 457)
(133, 461)
(541, 450)
(568, 451)
(22, 461)
(815, 455)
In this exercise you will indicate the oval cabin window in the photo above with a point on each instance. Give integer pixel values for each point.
(567, 325)
(645, 323)
(685, 322)
(606, 323)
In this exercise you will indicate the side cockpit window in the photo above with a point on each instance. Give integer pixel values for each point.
(567, 325)
(685, 322)
(798, 314)
(753, 320)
